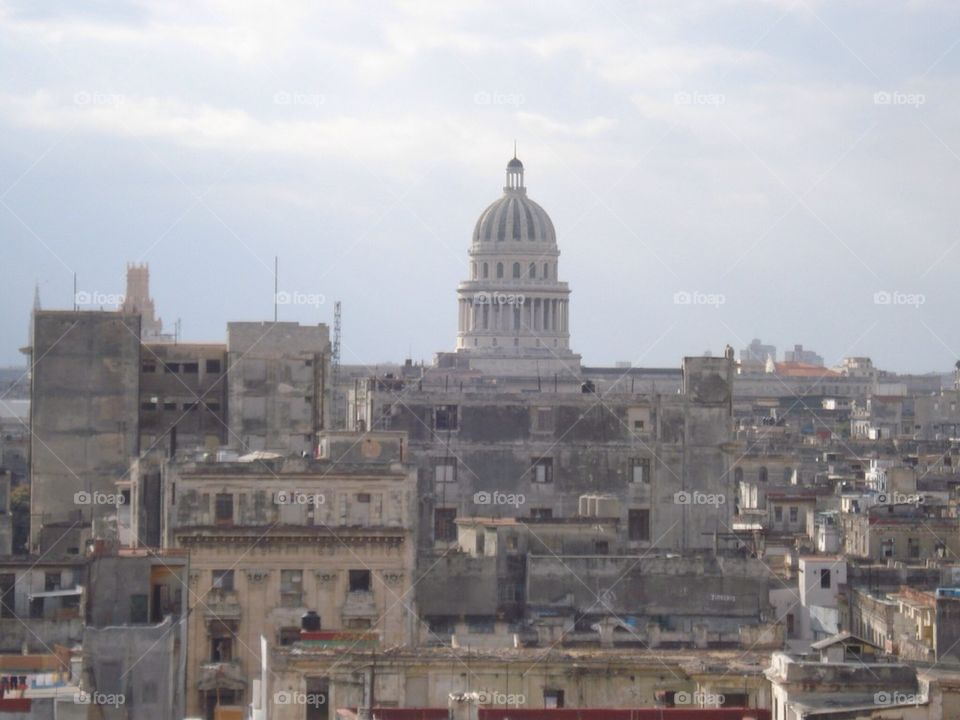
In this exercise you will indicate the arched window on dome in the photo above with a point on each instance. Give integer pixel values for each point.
(516, 271)
(473, 271)
(499, 271)
(546, 271)
(533, 271)
(486, 271)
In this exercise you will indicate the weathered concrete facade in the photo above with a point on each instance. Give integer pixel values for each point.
(84, 418)
(270, 540)
(279, 387)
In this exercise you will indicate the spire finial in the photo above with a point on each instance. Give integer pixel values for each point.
(514, 149)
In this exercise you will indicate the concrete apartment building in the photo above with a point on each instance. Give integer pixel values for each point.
(522, 680)
(906, 532)
(275, 538)
(84, 422)
(279, 397)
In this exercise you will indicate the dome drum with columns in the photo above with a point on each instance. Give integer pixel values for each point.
(513, 306)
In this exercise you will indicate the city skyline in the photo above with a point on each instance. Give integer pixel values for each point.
(834, 131)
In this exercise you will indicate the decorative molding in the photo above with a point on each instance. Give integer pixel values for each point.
(257, 575)
(326, 577)
(392, 577)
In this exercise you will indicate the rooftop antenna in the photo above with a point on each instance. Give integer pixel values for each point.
(75, 292)
(514, 149)
(276, 280)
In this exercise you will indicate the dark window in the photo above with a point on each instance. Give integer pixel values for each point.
(553, 698)
(139, 608)
(445, 417)
(762, 473)
(601, 547)
(170, 406)
(213, 406)
(794, 514)
(542, 470)
(51, 581)
(516, 271)
(7, 607)
(288, 636)
(191, 367)
(825, 578)
(171, 367)
(738, 475)
(224, 509)
(913, 547)
(778, 513)
(638, 521)
(739, 700)
(213, 366)
(223, 580)
(221, 649)
(36, 608)
(541, 513)
(359, 581)
(148, 405)
(444, 527)
(148, 367)
(363, 497)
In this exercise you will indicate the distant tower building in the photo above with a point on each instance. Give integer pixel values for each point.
(753, 358)
(137, 301)
(514, 312)
(798, 354)
(36, 309)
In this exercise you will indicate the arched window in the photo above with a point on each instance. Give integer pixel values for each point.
(546, 271)
(787, 475)
(762, 473)
(738, 475)
(473, 270)
(533, 271)
(499, 271)
(486, 271)
(516, 271)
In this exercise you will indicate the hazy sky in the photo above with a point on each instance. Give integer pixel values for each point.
(791, 166)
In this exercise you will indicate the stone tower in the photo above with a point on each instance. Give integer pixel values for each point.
(137, 301)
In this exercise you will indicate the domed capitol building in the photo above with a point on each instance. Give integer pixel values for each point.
(514, 311)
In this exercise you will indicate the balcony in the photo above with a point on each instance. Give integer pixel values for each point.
(221, 605)
(222, 676)
(360, 604)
